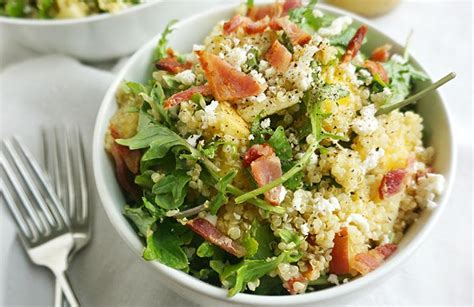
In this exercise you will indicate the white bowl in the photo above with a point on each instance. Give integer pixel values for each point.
(92, 38)
(193, 30)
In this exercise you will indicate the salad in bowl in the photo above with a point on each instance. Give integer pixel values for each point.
(272, 159)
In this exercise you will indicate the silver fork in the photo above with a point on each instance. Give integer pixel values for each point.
(42, 222)
(65, 164)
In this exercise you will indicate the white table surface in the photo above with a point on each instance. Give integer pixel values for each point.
(108, 273)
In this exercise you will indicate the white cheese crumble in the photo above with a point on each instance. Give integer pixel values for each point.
(236, 57)
(258, 77)
(317, 13)
(260, 98)
(366, 123)
(366, 76)
(300, 199)
(197, 47)
(428, 188)
(313, 159)
(333, 279)
(282, 195)
(300, 72)
(192, 139)
(252, 285)
(251, 137)
(304, 229)
(210, 112)
(327, 205)
(337, 26)
(360, 221)
(382, 97)
(372, 159)
(265, 123)
(186, 77)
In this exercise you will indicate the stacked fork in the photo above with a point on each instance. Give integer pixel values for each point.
(53, 223)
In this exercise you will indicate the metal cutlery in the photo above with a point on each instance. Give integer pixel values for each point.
(65, 164)
(42, 222)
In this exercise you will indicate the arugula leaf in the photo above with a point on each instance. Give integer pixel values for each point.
(270, 286)
(288, 236)
(221, 196)
(304, 17)
(280, 144)
(140, 218)
(206, 249)
(344, 37)
(263, 234)
(171, 190)
(157, 104)
(253, 58)
(15, 8)
(160, 51)
(43, 7)
(402, 75)
(258, 132)
(250, 244)
(210, 149)
(144, 180)
(162, 245)
(250, 4)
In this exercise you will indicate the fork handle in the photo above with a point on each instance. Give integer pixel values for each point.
(63, 286)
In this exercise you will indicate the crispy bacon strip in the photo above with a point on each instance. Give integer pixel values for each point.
(369, 261)
(126, 165)
(172, 65)
(340, 262)
(233, 24)
(264, 170)
(271, 10)
(355, 44)
(296, 35)
(392, 183)
(278, 56)
(257, 151)
(381, 54)
(186, 95)
(226, 82)
(376, 68)
(211, 234)
(249, 26)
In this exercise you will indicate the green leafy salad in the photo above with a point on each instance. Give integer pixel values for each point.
(262, 161)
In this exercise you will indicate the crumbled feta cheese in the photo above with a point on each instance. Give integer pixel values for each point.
(236, 41)
(381, 97)
(428, 188)
(263, 65)
(192, 139)
(366, 123)
(258, 77)
(282, 195)
(236, 57)
(210, 111)
(300, 199)
(304, 229)
(372, 159)
(260, 98)
(300, 72)
(197, 47)
(313, 159)
(360, 221)
(337, 26)
(251, 137)
(252, 285)
(398, 59)
(265, 123)
(327, 205)
(317, 13)
(366, 76)
(333, 279)
(186, 77)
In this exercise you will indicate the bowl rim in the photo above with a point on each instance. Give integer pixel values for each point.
(196, 285)
(74, 21)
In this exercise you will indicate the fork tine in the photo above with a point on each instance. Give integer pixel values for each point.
(54, 205)
(71, 193)
(51, 156)
(19, 191)
(83, 211)
(25, 230)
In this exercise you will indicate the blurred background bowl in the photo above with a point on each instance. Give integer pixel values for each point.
(98, 37)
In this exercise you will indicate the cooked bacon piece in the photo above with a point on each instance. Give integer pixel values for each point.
(257, 151)
(278, 56)
(376, 68)
(264, 170)
(271, 10)
(296, 35)
(172, 65)
(186, 95)
(233, 24)
(354, 44)
(392, 183)
(290, 285)
(249, 26)
(369, 261)
(290, 5)
(126, 165)
(226, 82)
(340, 262)
(381, 54)
(211, 234)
